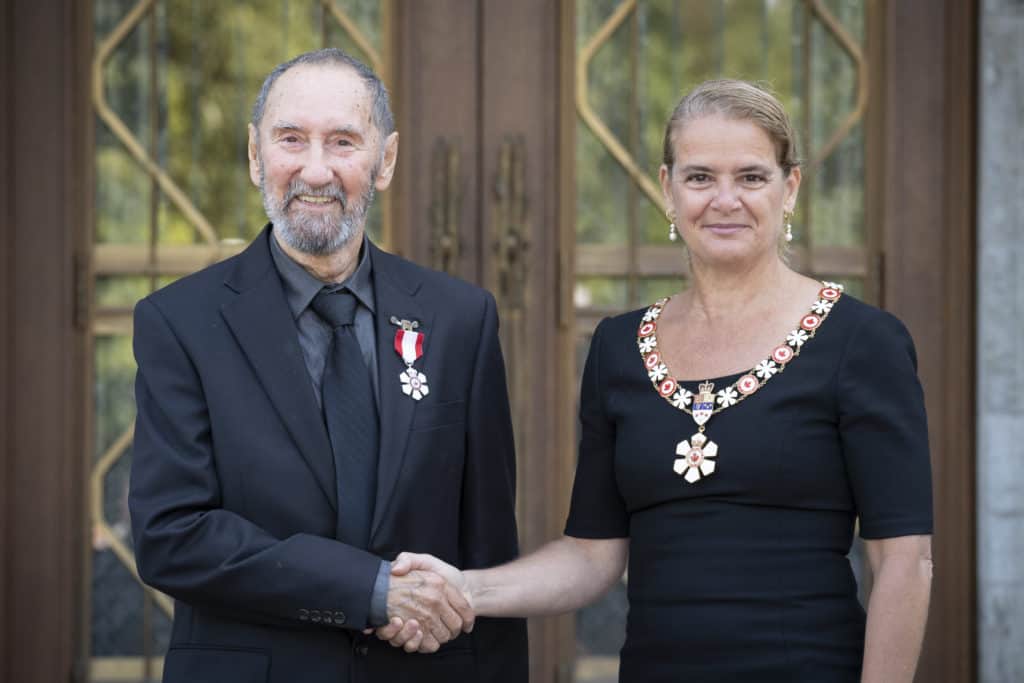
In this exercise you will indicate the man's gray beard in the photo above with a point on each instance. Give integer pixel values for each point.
(317, 235)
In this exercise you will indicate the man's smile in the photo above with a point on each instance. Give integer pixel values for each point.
(311, 199)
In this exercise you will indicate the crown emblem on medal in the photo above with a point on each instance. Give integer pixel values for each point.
(703, 403)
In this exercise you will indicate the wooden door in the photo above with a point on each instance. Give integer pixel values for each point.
(478, 195)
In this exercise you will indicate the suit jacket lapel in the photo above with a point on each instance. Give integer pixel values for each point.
(395, 285)
(263, 326)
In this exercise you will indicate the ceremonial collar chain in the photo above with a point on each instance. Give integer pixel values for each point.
(696, 456)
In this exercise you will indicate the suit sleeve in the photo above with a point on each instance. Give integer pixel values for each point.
(191, 548)
(488, 533)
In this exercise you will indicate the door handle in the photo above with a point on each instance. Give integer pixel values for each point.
(511, 239)
(446, 201)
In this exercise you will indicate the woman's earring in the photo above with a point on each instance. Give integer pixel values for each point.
(673, 234)
(788, 217)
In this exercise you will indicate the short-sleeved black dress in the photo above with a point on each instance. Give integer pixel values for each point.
(743, 575)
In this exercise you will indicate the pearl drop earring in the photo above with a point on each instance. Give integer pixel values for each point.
(673, 234)
(787, 216)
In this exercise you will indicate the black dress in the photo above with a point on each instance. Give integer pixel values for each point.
(743, 575)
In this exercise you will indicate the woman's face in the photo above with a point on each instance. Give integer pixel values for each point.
(727, 191)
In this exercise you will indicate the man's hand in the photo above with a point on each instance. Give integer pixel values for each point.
(425, 609)
(409, 632)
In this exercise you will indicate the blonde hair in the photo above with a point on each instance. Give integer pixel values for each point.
(741, 101)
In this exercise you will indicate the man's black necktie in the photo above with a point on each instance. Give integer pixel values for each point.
(350, 412)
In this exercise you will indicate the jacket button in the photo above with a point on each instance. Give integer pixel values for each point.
(362, 650)
(303, 615)
(339, 618)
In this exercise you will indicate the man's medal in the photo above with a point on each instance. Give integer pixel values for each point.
(409, 346)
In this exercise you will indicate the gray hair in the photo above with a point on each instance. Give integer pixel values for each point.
(381, 115)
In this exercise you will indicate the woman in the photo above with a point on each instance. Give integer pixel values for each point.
(732, 435)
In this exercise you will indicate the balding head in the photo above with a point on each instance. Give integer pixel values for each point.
(380, 115)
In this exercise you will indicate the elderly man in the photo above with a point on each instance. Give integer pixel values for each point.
(313, 406)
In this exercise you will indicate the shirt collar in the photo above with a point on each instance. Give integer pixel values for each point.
(300, 286)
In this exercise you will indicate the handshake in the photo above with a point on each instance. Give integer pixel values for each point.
(429, 603)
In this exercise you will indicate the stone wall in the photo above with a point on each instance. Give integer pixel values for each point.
(1000, 343)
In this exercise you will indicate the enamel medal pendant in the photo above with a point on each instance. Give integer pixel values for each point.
(409, 346)
(697, 454)
(414, 383)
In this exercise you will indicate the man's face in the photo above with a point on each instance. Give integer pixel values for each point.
(317, 157)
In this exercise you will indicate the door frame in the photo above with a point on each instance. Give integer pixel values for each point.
(928, 94)
(45, 188)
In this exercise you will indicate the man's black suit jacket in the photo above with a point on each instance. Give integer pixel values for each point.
(233, 497)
